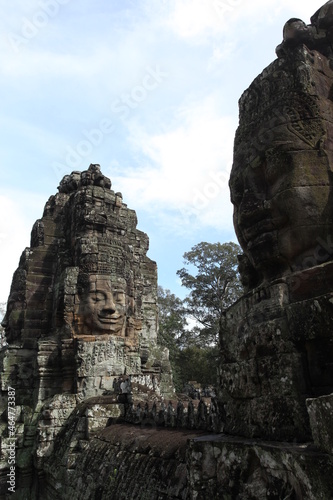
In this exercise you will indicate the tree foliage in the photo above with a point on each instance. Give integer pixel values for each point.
(212, 277)
(198, 363)
(188, 362)
(172, 319)
(172, 329)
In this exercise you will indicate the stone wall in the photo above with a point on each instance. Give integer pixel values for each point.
(133, 462)
(278, 352)
(95, 456)
(95, 413)
(225, 467)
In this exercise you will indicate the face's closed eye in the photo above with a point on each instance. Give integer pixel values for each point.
(119, 297)
(97, 296)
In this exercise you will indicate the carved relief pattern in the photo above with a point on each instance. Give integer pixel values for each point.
(106, 358)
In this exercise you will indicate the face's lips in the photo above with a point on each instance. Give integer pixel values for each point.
(262, 227)
(112, 320)
(261, 239)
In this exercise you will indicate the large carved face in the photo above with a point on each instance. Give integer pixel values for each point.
(282, 206)
(102, 307)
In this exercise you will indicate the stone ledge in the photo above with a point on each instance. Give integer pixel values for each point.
(321, 421)
(249, 468)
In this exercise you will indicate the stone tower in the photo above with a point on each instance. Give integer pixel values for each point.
(82, 316)
(278, 349)
(276, 371)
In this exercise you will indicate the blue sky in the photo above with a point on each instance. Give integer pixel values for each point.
(148, 89)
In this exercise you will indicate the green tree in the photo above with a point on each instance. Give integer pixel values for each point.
(172, 329)
(198, 363)
(212, 277)
(172, 319)
(188, 362)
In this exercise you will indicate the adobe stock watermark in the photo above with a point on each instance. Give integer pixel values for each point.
(122, 107)
(30, 28)
(223, 7)
(11, 411)
(322, 253)
(202, 197)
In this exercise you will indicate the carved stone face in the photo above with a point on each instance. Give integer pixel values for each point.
(282, 205)
(86, 178)
(102, 307)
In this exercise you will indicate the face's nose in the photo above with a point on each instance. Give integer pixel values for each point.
(4, 322)
(110, 305)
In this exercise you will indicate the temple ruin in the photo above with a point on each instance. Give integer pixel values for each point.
(96, 415)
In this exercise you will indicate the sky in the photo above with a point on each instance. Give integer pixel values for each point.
(148, 89)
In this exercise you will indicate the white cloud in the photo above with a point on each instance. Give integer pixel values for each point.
(192, 18)
(220, 53)
(199, 20)
(18, 211)
(185, 171)
(63, 51)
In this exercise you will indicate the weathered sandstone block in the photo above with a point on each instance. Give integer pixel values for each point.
(321, 417)
(277, 350)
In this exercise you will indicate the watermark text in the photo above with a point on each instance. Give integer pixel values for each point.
(12, 440)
